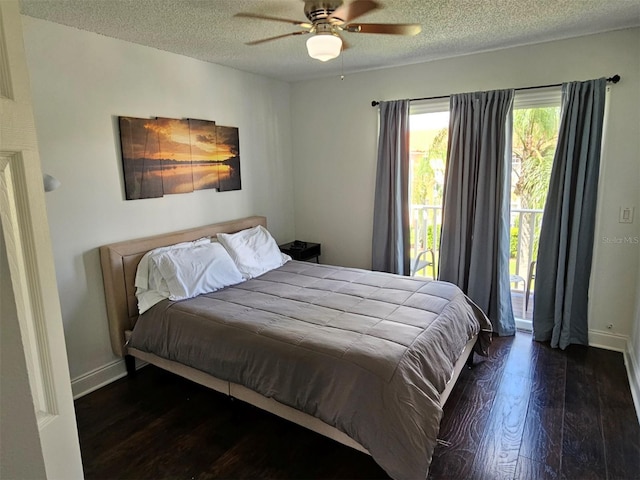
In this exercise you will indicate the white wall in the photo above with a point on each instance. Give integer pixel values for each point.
(81, 82)
(334, 151)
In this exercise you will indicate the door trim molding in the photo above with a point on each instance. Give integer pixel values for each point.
(20, 244)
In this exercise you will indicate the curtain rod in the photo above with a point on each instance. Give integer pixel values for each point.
(613, 79)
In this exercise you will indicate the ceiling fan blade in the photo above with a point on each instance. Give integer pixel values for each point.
(274, 19)
(258, 42)
(347, 12)
(386, 28)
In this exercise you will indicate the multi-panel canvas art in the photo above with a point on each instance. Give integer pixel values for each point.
(165, 155)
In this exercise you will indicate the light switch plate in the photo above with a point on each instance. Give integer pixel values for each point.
(626, 215)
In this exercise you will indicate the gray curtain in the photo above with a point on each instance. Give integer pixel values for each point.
(568, 222)
(474, 247)
(390, 249)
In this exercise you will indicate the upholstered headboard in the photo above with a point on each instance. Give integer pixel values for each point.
(120, 261)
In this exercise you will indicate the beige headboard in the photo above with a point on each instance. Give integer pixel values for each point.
(120, 261)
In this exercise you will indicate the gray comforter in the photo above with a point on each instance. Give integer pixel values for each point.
(366, 352)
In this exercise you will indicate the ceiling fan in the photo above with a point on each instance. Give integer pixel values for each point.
(328, 19)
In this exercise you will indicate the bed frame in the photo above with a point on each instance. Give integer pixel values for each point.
(119, 263)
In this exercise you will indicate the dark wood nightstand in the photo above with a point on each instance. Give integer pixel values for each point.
(302, 251)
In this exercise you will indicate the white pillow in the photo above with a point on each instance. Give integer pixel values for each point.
(148, 298)
(200, 269)
(151, 288)
(145, 271)
(253, 250)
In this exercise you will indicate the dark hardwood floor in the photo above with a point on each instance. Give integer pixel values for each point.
(527, 412)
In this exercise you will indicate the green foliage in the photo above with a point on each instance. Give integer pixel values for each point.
(535, 134)
(513, 242)
(423, 181)
(425, 188)
(430, 240)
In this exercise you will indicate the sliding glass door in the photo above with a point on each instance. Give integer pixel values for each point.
(429, 126)
(535, 132)
(536, 119)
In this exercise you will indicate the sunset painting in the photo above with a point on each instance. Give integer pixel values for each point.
(164, 156)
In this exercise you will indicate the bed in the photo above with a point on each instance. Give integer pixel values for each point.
(365, 358)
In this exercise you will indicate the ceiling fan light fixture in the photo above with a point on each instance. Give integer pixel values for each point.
(324, 46)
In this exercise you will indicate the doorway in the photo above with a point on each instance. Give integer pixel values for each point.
(535, 124)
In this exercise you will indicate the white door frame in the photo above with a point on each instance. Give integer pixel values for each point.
(30, 262)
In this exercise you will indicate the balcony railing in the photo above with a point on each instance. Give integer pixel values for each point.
(426, 221)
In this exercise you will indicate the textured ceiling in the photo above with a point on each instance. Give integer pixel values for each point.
(207, 29)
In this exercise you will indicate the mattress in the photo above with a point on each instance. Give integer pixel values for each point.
(366, 352)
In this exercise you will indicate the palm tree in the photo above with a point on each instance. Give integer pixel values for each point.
(426, 188)
(535, 134)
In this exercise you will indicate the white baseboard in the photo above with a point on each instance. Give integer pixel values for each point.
(597, 338)
(97, 378)
(608, 340)
(631, 360)
(101, 376)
